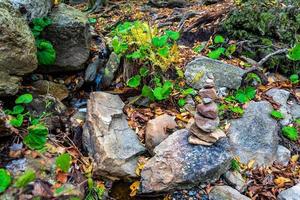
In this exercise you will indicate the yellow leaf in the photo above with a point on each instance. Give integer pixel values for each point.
(198, 76)
(281, 181)
(251, 164)
(139, 168)
(294, 158)
(134, 188)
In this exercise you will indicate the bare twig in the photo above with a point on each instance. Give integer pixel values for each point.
(267, 57)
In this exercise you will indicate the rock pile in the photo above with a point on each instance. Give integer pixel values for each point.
(205, 128)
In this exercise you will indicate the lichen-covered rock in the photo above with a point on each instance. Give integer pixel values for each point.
(17, 44)
(33, 8)
(9, 85)
(109, 140)
(255, 135)
(178, 164)
(111, 68)
(70, 35)
(225, 75)
(57, 90)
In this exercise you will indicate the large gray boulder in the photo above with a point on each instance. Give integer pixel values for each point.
(33, 8)
(109, 140)
(292, 193)
(178, 164)
(17, 44)
(70, 35)
(225, 75)
(255, 135)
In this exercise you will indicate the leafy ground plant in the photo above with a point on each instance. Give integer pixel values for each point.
(290, 133)
(63, 162)
(27, 177)
(5, 180)
(277, 114)
(220, 47)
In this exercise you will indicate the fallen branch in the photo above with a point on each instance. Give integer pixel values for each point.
(267, 57)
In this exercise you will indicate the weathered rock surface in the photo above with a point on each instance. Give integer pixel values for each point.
(292, 193)
(33, 8)
(208, 110)
(108, 138)
(17, 44)
(207, 137)
(71, 38)
(111, 67)
(178, 164)
(255, 135)
(9, 85)
(205, 124)
(235, 180)
(283, 155)
(57, 90)
(225, 75)
(156, 130)
(226, 193)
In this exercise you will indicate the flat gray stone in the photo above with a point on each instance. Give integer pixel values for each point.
(225, 75)
(9, 85)
(178, 164)
(255, 135)
(235, 180)
(292, 193)
(225, 192)
(283, 155)
(109, 140)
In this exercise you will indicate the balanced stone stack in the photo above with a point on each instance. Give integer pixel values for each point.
(204, 130)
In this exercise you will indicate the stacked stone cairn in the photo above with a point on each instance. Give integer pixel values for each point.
(204, 130)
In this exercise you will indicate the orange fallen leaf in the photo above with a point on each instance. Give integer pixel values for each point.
(134, 188)
(281, 181)
(62, 177)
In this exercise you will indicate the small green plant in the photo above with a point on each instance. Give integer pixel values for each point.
(199, 47)
(36, 137)
(290, 133)
(94, 191)
(294, 78)
(5, 180)
(297, 121)
(220, 48)
(63, 162)
(277, 114)
(294, 53)
(46, 53)
(245, 95)
(27, 177)
(235, 166)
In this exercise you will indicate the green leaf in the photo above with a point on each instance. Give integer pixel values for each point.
(245, 95)
(26, 178)
(92, 20)
(144, 71)
(36, 137)
(235, 166)
(290, 133)
(189, 91)
(181, 102)
(63, 162)
(25, 98)
(216, 53)
(135, 55)
(277, 115)
(163, 52)
(219, 39)
(18, 109)
(134, 81)
(236, 109)
(18, 121)
(294, 78)
(173, 35)
(199, 48)
(230, 50)
(5, 180)
(158, 93)
(160, 41)
(46, 54)
(294, 53)
(148, 92)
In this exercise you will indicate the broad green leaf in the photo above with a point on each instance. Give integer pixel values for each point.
(167, 89)
(160, 41)
(5, 180)
(46, 54)
(199, 48)
(235, 166)
(230, 50)
(181, 102)
(215, 54)
(26, 178)
(134, 81)
(63, 162)
(245, 95)
(173, 35)
(294, 53)
(24, 98)
(294, 78)
(36, 137)
(144, 71)
(250, 92)
(135, 55)
(18, 121)
(290, 133)
(277, 114)
(163, 52)
(18, 109)
(219, 39)
(148, 92)
(158, 93)
(236, 109)
(189, 91)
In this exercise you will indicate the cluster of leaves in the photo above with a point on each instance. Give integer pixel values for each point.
(220, 47)
(290, 133)
(94, 191)
(46, 53)
(37, 132)
(267, 25)
(233, 102)
(138, 41)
